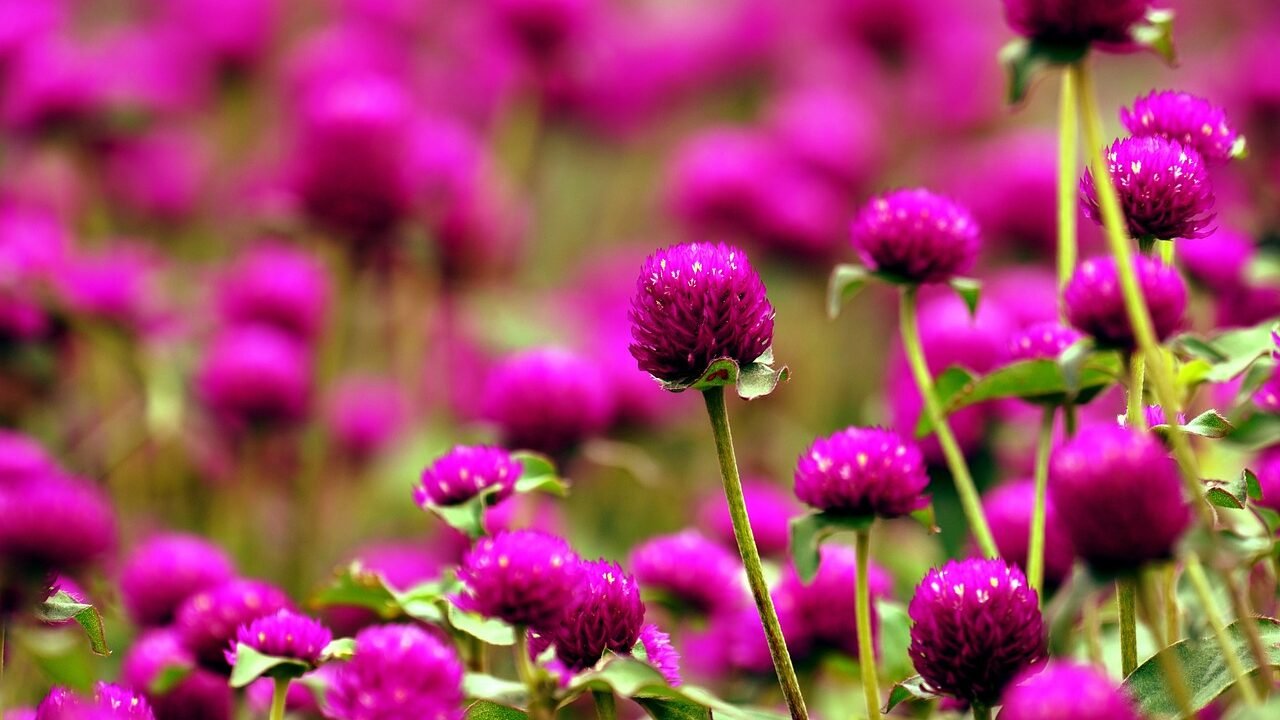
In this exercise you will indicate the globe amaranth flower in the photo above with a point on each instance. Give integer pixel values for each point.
(976, 626)
(694, 304)
(397, 671)
(54, 523)
(1164, 188)
(208, 621)
(283, 634)
(108, 702)
(22, 458)
(769, 509)
(279, 286)
(862, 471)
(547, 399)
(826, 603)
(253, 376)
(719, 180)
(524, 577)
(365, 415)
(201, 695)
(1119, 496)
(1095, 300)
(1008, 509)
(1043, 341)
(167, 569)
(1074, 22)
(1189, 119)
(465, 471)
(1066, 690)
(605, 615)
(692, 570)
(917, 235)
(660, 653)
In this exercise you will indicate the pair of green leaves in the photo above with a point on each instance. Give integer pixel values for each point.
(538, 474)
(847, 281)
(61, 607)
(251, 664)
(753, 380)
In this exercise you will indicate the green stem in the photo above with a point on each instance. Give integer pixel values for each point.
(4, 626)
(1134, 414)
(719, 416)
(606, 705)
(1068, 183)
(1035, 547)
(278, 697)
(862, 611)
(1174, 674)
(1167, 252)
(1126, 596)
(1200, 583)
(981, 712)
(538, 707)
(1172, 623)
(965, 487)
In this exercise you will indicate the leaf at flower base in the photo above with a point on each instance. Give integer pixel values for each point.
(1024, 60)
(1203, 667)
(338, 649)
(952, 383)
(913, 688)
(485, 710)
(809, 531)
(488, 630)
(894, 638)
(479, 686)
(357, 586)
(757, 380)
(61, 607)
(845, 283)
(169, 677)
(673, 709)
(1222, 494)
(927, 518)
(1155, 32)
(538, 474)
(251, 665)
(969, 290)
(466, 517)
(1252, 488)
(1230, 353)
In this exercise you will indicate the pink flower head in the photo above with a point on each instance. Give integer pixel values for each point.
(1189, 119)
(1164, 187)
(917, 235)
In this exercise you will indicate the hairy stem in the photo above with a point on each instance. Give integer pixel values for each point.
(719, 416)
(1126, 597)
(1200, 583)
(1035, 546)
(862, 611)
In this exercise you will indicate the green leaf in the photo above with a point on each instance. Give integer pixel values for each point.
(1257, 431)
(1224, 495)
(357, 586)
(488, 630)
(673, 709)
(1155, 32)
(969, 290)
(1230, 353)
(169, 677)
(927, 518)
(339, 649)
(251, 665)
(757, 380)
(954, 382)
(845, 283)
(61, 607)
(1209, 424)
(499, 690)
(809, 531)
(725, 710)
(485, 710)
(622, 675)
(1194, 373)
(1025, 60)
(753, 380)
(534, 465)
(466, 517)
(913, 688)
(1203, 667)
(1252, 488)
(895, 638)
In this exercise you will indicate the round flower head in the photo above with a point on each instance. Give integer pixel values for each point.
(1066, 690)
(692, 569)
(166, 570)
(201, 695)
(769, 508)
(54, 523)
(1008, 510)
(826, 603)
(1164, 188)
(976, 626)
(22, 458)
(606, 614)
(1071, 22)
(1191, 120)
(862, 471)
(253, 375)
(660, 653)
(1043, 341)
(547, 399)
(279, 286)
(1095, 301)
(1119, 496)
(916, 235)
(694, 304)
(524, 577)
(208, 620)
(466, 470)
(397, 671)
(365, 415)
(109, 702)
(719, 181)
(284, 634)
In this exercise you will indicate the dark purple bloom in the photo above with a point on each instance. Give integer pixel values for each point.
(917, 235)
(1164, 187)
(826, 603)
(109, 702)
(692, 569)
(279, 286)
(398, 671)
(164, 571)
(1044, 341)
(546, 399)
(1119, 497)
(284, 634)
(466, 470)
(208, 620)
(1066, 690)
(253, 376)
(862, 471)
(524, 577)
(1191, 120)
(54, 523)
(1008, 509)
(694, 304)
(365, 415)
(201, 695)
(1095, 301)
(769, 508)
(660, 653)
(1072, 22)
(976, 626)
(606, 615)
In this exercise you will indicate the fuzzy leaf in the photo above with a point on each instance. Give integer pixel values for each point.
(339, 649)
(1224, 495)
(61, 607)
(673, 709)
(969, 290)
(809, 531)
(485, 710)
(1252, 488)
(359, 587)
(753, 380)
(913, 688)
(489, 630)
(1209, 424)
(251, 665)
(499, 690)
(845, 283)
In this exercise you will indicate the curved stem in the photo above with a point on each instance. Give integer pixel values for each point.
(1200, 583)
(1068, 182)
(965, 487)
(1035, 546)
(279, 694)
(719, 416)
(1126, 596)
(866, 644)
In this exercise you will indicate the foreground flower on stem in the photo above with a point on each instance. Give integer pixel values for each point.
(1164, 188)
(1074, 22)
(397, 671)
(283, 634)
(1096, 305)
(208, 621)
(1189, 119)
(464, 472)
(916, 235)
(524, 577)
(1065, 690)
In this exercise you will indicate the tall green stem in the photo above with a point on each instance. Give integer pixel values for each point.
(1126, 597)
(1068, 183)
(965, 487)
(719, 416)
(1174, 675)
(4, 624)
(279, 694)
(1134, 414)
(1035, 546)
(538, 706)
(862, 611)
(1204, 592)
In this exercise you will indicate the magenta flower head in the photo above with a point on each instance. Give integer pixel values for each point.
(283, 634)
(719, 180)
(278, 286)
(524, 577)
(1074, 22)
(826, 603)
(398, 671)
(161, 573)
(1119, 497)
(109, 702)
(1191, 120)
(769, 507)
(1095, 302)
(1064, 689)
(201, 695)
(401, 565)
(465, 471)
(976, 626)
(862, 471)
(1164, 188)
(606, 615)
(1008, 510)
(916, 235)
(22, 458)
(660, 653)
(692, 570)
(548, 399)
(1042, 341)
(365, 415)
(696, 303)
(53, 523)
(207, 622)
(253, 376)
